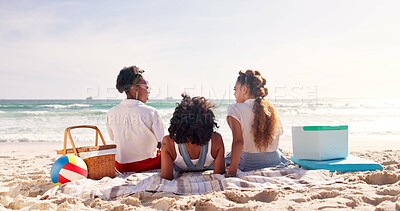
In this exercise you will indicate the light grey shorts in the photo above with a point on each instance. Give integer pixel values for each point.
(253, 161)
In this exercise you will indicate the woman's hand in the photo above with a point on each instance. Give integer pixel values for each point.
(230, 173)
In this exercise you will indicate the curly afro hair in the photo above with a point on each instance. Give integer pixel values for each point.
(193, 121)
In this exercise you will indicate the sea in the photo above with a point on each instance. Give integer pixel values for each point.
(46, 120)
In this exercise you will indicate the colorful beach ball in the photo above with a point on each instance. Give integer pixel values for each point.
(68, 168)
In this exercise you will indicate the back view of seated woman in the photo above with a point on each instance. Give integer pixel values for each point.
(192, 143)
(255, 126)
(137, 129)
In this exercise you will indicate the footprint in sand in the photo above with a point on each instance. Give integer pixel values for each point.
(381, 178)
(389, 162)
(244, 197)
(42, 156)
(375, 201)
(388, 191)
(60, 201)
(353, 201)
(132, 201)
(332, 207)
(163, 203)
(325, 194)
(266, 196)
(299, 198)
(205, 204)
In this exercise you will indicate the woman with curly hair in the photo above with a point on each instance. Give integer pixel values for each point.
(136, 128)
(255, 126)
(192, 143)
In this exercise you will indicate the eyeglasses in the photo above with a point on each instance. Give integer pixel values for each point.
(144, 86)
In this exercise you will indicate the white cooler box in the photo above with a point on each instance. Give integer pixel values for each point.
(320, 142)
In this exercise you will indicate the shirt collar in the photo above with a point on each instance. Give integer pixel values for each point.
(250, 101)
(131, 102)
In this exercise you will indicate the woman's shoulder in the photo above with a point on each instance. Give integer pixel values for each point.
(168, 140)
(240, 111)
(240, 106)
(114, 109)
(232, 108)
(217, 144)
(216, 139)
(233, 105)
(148, 109)
(168, 145)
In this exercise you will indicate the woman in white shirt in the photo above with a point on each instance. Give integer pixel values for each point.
(136, 128)
(255, 126)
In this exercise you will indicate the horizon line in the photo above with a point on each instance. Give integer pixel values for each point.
(169, 99)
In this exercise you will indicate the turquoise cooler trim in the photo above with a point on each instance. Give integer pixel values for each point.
(318, 128)
(350, 164)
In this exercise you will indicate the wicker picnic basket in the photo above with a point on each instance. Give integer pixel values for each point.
(100, 162)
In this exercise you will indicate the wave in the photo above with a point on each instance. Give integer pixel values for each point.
(338, 111)
(50, 136)
(34, 112)
(94, 112)
(59, 106)
(24, 139)
(337, 103)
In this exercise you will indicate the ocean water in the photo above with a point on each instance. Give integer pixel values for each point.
(45, 120)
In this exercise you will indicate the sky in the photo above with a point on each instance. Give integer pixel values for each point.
(305, 49)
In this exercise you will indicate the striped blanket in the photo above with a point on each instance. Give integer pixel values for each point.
(193, 183)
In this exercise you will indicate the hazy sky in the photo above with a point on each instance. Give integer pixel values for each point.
(75, 49)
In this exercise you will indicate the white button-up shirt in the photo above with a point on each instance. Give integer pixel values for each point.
(136, 129)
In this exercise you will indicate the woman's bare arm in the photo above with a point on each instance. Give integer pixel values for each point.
(167, 162)
(237, 145)
(218, 150)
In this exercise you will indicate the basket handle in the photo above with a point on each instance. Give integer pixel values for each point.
(67, 135)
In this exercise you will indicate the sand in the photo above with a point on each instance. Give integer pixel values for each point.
(25, 167)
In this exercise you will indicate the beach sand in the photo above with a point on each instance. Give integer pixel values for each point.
(25, 167)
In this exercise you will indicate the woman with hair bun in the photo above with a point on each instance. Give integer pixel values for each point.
(255, 126)
(192, 143)
(136, 128)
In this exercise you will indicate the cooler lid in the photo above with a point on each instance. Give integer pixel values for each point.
(340, 127)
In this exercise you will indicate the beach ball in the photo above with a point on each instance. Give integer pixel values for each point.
(68, 168)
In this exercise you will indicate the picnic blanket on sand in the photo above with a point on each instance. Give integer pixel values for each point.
(194, 183)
